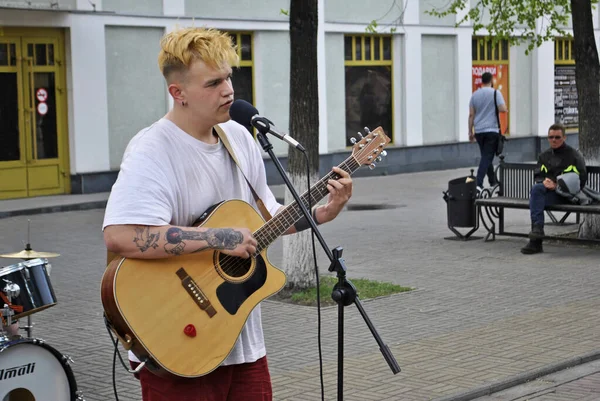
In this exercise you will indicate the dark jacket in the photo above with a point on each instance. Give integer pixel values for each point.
(554, 162)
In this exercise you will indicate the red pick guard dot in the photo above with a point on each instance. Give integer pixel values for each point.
(190, 330)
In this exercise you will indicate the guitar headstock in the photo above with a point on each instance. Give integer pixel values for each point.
(369, 149)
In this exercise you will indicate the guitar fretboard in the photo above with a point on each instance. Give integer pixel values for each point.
(283, 220)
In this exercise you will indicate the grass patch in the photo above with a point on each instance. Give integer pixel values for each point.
(366, 289)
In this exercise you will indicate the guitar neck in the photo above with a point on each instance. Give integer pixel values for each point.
(283, 220)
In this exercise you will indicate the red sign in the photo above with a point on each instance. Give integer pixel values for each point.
(41, 95)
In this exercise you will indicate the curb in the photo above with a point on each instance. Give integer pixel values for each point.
(55, 209)
(521, 378)
(101, 204)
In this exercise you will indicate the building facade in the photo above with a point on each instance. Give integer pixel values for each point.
(80, 78)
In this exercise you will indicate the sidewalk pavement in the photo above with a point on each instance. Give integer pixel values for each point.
(482, 318)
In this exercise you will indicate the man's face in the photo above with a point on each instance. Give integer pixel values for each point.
(556, 138)
(209, 92)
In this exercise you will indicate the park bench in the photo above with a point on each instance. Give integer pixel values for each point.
(512, 192)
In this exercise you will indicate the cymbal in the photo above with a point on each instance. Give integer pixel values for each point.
(29, 254)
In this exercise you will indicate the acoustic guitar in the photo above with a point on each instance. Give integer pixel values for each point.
(183, 314)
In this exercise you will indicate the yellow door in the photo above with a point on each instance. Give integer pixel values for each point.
(33, 155)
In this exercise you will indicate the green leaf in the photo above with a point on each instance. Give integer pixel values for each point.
(372, 27)
(530, 22)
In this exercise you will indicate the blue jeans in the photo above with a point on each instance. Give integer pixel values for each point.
(540, 197)
(488, 143)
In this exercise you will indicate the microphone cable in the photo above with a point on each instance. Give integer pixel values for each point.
(115, 342)
(318, 283)
(114, 367)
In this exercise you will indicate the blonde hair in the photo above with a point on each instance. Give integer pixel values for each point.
(182, 47)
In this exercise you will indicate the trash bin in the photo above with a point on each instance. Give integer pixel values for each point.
(460, 202)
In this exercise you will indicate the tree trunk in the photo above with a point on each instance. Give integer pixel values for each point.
(304, 126)
(587, 75)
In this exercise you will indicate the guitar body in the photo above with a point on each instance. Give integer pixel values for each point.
(150, 303)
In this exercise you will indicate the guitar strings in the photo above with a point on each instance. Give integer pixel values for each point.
(236, 264)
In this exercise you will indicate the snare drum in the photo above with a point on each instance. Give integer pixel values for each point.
(33, 370)
(35, 289)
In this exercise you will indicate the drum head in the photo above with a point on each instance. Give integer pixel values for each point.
(30, 370)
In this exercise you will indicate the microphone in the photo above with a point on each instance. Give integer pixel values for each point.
(243, 113)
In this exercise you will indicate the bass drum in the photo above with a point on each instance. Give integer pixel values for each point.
(31, 370)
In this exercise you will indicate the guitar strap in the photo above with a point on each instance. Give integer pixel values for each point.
(261, 206)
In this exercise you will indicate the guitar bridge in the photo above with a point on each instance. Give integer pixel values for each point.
(195, 292)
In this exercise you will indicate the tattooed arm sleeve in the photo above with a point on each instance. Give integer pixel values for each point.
(152, 242)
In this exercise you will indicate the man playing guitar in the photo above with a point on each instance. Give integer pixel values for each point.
(176, 169)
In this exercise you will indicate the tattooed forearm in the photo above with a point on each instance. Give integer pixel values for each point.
(217, 238)
(144, 239)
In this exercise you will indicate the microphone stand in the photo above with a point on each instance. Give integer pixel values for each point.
(344, 292)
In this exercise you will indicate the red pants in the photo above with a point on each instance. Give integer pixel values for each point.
(247, 382)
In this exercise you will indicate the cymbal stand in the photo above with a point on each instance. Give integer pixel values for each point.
(6, 312)
(10, 290)
(28, 245)
(29, 327)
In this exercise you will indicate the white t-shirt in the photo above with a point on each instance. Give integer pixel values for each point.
(167, 177)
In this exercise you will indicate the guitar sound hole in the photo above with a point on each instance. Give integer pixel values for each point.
(233, 266)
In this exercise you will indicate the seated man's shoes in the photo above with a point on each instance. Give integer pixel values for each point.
(533, 246)
(537, 232)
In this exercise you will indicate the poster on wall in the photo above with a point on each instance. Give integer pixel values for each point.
(565, 96)
(500, 80)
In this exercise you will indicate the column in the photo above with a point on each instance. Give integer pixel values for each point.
(464, 83)
(88, 96)
(413, 113)
(322, 78)
(543, 88)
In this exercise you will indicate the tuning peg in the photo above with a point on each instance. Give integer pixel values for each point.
(359, 135)
(372, 166)
(384, 153)
(367, 130)
(352, 140)
(378, 159)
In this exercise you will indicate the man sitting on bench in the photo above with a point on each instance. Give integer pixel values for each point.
(558, 159)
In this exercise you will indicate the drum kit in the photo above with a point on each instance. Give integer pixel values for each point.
(30, 369)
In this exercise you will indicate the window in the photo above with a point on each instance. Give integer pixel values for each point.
(368, 76)
(565, 90)
(563, 51)
(484, 50)
(242, 77)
